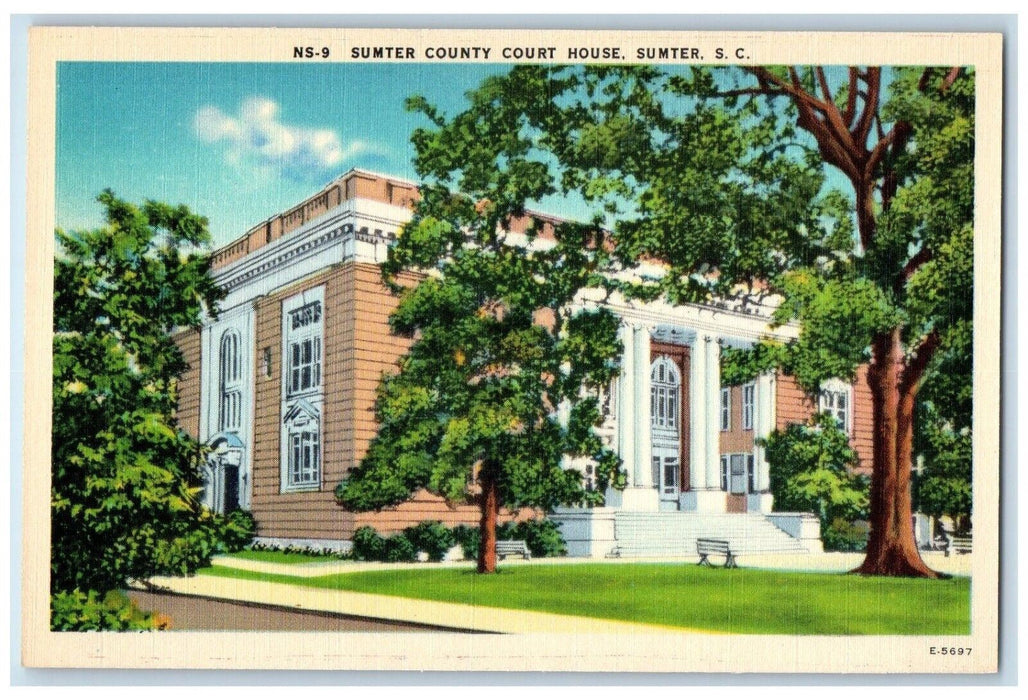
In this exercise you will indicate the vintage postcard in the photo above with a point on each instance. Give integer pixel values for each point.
(634, 351)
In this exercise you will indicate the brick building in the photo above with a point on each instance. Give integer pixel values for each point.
(282, 386)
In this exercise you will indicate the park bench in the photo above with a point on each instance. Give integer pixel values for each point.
(507, 547)
(958, 545)
(706, 546)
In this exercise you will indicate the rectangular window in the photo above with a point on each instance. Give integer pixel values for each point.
(304, 354)
(836, 403)
(724, 472)
(748, 392)
(751, 472)
(303, 319)
(726, 409)
(738, 475)
(304, 458)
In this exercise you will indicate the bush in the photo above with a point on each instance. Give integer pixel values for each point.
(431, 537)
(75, 611)
(542, 537)
(468, 538)
(398, 548)
(812, 471)
(235, 530)
(844, 536)
(368, 545)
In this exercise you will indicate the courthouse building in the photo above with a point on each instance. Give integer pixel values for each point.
(282, 386)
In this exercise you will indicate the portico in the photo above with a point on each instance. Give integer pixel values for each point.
(668, 407)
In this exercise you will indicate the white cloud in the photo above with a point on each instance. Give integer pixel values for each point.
(256, 138)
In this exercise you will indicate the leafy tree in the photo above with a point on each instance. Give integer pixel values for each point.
(500, 347)
(812, 471)
(125, 477)
(721, 174)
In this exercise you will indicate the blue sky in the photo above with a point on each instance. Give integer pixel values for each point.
(239, 142)
(236, 142)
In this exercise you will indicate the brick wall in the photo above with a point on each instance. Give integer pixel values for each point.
(188, 342)
(794, 406)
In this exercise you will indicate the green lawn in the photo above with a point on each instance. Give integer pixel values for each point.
(276, 557)
(746, 601)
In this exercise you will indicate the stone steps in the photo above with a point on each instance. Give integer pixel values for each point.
(675, 534)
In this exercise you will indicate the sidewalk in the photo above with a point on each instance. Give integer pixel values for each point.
(381, 607)
(841, 562)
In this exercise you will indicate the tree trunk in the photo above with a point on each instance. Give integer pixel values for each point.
(891, 549)
(489, 505)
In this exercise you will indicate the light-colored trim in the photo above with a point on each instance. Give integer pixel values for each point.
(837, 386)
(315, 397)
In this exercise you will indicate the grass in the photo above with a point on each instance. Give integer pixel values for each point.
(278, 557)
(742, 601)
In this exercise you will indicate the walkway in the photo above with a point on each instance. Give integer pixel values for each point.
(381, 607)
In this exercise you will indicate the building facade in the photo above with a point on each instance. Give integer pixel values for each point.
(282, 385)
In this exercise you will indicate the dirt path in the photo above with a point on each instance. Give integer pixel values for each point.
(196, 613)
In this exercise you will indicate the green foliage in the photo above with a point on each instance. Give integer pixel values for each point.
(944, 486)
(125, 476)
(431, 537)
(842, 535)
(542, 536)
(75, 611)
(235, 530)
(435, 539)
(368, 545)
(499, 342)
(811, 471)
(468, 538)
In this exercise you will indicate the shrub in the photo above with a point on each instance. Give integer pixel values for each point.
(368, 545)
(235, 530)
(75, 611)
(542, 536)
(812, 471)
(431, 537)
(844, 536)
(398, 548)
(468, 538)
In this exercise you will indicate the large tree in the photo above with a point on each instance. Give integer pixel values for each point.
(726, 176)
(125, 477)
(497, 394)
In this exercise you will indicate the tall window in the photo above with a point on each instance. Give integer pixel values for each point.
(665, 394)
(835, 400)
(747, 406)
(304, 349)
(304, 457)
(303, 446)
(231, 396)
(726, 408)
(303, 391)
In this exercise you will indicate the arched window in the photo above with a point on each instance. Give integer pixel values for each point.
(665, 394)
(231, 378)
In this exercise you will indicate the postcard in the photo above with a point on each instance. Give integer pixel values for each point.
(504, 350)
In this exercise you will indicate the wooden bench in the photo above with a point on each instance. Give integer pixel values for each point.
(958, 545)
(706, 546)
(507, 547)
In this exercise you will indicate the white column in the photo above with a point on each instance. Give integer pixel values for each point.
(712, 379)
(643, 440)
(764, 423)
(626, 403)
(698, 417)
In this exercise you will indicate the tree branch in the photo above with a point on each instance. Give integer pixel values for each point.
(918, 363)
(851, 96)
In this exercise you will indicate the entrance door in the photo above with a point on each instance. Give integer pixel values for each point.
(665, 428)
